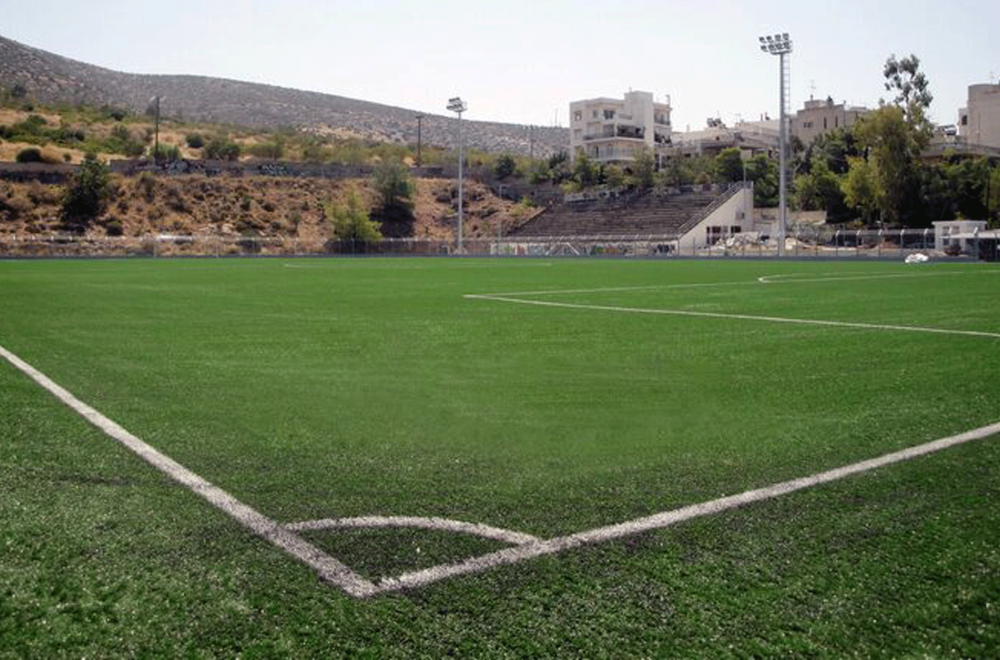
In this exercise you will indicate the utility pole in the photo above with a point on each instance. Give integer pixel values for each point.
(156, 131)
(420, 119)
(531, 142)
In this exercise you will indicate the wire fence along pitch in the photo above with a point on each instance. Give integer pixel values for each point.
(819, 242)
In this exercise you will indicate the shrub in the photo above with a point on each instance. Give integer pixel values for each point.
(16, 206)
(268, 150)
(350, 220)
(195, 140)
(114, 227)
(121, 133)
(167, 153)
(146, 185)
(220, 148)
(87, 194)
(505, 167)
(30, 155)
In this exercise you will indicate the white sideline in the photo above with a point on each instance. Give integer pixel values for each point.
(441, 524)
(789, 278)
(741, 317)
(329, 569)
(667, 518)
(765, 279)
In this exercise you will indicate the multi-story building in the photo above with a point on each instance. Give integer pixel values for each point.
(614, 130)
(750, 137)
(979, 121)
(819, 117)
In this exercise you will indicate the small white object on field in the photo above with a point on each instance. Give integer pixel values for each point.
(917, 258)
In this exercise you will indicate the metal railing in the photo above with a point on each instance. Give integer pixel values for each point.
(808, 242)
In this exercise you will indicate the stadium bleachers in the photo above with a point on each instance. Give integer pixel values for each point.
(628, 214)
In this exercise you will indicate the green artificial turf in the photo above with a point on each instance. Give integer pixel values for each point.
(333, 388)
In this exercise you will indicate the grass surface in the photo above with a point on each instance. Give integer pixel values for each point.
(372, 387)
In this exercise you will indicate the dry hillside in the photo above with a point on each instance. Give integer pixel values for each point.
(51, 78)
(234, 206)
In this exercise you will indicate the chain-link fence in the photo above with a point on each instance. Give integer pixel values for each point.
(805, 242)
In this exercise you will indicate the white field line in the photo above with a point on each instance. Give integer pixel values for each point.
(740, 317)
(668, 518)
(766, 279)
(441, 524)
(788, 277)
(329, 569)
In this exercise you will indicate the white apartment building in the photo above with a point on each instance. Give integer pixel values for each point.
(979, 121)
(819, 117)
(614, 130)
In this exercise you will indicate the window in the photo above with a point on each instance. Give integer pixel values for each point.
(609, 114)
(594, 114)
(836, 122)
(824, 123)
(807, 124)
(578, 115)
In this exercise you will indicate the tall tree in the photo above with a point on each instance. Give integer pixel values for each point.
(905, 78)
(862, 189)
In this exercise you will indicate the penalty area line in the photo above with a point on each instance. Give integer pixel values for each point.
(328, 568)
(738, 317)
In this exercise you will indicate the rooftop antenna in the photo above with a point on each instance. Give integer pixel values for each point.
(812, 89)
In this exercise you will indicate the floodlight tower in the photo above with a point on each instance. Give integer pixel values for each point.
(781, 45)
(458, 106)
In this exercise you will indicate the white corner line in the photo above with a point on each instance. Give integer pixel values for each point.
(328, 568)
(739, 317)
(434, 523)
(667, 518)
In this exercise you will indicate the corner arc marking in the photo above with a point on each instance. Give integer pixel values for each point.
(418, 522)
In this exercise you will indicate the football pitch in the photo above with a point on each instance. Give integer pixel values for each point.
(474, 457)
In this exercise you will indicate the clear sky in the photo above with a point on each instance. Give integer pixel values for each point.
(523, 61)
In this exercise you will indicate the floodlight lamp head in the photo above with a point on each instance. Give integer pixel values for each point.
(456, 104)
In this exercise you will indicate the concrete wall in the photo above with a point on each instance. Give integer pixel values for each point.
(737, 211)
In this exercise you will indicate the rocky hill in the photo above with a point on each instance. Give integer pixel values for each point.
(51, 78)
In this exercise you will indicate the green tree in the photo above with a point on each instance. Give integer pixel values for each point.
(834, 147)
(644, 169)
(729, 165)
(350, 220)
(894, 146)
(87, 194)
(540, 172)
(905, 78)
(585, 171)
(505, 166)
(614, 176)
(763, 172)
(676, 172)
(820, 190)
(395, 189)
(195, 140)
(862, 189)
